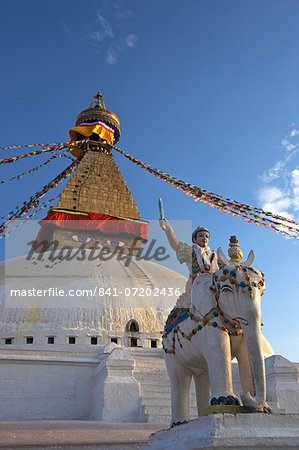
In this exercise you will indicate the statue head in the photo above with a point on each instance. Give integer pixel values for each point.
(198, 230)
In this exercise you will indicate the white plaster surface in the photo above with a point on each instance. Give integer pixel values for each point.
(234, 432)
(282, 383)
(131, 292)
(116, 395)
(131, 383)
(42, 387)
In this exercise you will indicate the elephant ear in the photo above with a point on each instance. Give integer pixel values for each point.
(203, 294)
(249, 261)
(222, 257)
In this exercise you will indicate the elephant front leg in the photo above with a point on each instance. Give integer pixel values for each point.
(220, 370)
(245, 371)
(203, 392)
(246, 377)
(180, 379)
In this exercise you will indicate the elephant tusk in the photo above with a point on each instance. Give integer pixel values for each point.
(241, 320)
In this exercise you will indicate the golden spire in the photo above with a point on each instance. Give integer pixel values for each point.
(234, 251)
(100, 101)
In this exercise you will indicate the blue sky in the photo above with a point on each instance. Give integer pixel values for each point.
(204, 90)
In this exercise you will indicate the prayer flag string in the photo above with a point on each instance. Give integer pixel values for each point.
(49, 148)
(29, 216)
(280, 224)
(248, 213)
(28, 145)
(34, 169)
(33, 202)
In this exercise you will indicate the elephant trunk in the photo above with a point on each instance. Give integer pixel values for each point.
(253, 339)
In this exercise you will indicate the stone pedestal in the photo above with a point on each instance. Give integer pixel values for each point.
(234, 432)
(282, 383)
(116, 396)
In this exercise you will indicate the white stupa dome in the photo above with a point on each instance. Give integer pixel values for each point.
(84, 299)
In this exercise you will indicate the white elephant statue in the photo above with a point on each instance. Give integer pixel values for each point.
(201, 341)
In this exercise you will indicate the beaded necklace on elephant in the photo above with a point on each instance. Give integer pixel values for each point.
(178, 315)
(231, 276)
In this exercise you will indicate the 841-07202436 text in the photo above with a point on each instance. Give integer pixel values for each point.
(140, 292)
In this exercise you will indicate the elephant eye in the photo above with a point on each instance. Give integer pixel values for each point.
(226, 288)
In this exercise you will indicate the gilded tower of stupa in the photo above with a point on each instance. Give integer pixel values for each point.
(96, 204)
(97, 185)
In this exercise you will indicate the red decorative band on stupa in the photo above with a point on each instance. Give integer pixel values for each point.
(69, 219)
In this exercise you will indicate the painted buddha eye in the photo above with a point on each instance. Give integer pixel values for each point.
(82, 239)
(115, 243)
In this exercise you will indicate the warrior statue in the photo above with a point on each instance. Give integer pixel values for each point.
(199, 258)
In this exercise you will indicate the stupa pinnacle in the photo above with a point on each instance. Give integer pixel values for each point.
(97, 185)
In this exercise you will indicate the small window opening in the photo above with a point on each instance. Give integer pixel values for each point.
(29, 340)
(8, 341)
(114, 340)
(51, 340)
(94, 340)
(133, 342)
(74, 207)
(72, 340)
(153, 343)
(132, 326)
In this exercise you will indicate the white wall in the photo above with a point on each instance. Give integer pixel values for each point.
(46, 387)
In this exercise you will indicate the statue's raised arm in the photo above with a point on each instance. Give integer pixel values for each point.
(172, 239)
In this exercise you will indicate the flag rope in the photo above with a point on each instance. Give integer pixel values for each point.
(33, 202)
(248, 213)
(42, 206)
(28, 145)
(34, 169)
(284, 225)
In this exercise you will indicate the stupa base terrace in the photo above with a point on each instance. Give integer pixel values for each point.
(112, 384)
